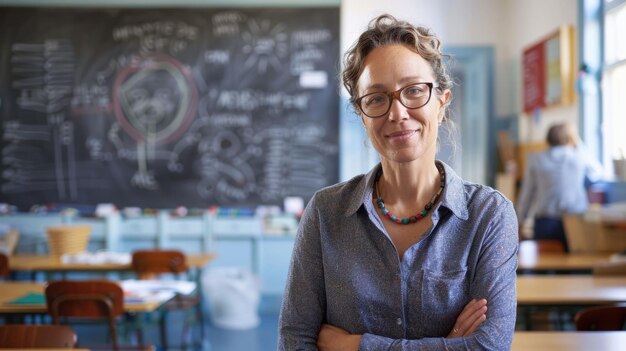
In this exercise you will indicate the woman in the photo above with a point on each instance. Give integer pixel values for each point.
(408, 256)
(554, 183)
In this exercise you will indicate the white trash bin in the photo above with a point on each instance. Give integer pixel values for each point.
(232, 296)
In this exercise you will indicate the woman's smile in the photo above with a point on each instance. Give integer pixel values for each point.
(402, 136)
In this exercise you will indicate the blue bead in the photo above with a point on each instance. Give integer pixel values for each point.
(385, 211)
(393, 218)
(405, 221)
(424, 212)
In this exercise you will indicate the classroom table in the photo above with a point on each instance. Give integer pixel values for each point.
(570, 341)
(12, 290)
(570, 290)
(530, 260)
(565, 294)
(49, 263)
(560, 263)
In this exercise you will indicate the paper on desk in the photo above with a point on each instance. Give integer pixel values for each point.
(101, 257)
(618, 257)
(154, 286)
(131, 297)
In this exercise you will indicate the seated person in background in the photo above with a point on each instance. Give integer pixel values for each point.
(554, 183)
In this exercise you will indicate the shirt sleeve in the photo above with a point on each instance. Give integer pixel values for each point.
(593, 169)
(493, 280)
(304, 302)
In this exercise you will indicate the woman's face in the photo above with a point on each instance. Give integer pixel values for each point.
(402, 135)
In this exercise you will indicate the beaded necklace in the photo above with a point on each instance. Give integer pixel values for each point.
(419, 215)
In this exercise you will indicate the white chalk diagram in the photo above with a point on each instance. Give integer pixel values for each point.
(251, 143)
(265, 44)
(154, 101)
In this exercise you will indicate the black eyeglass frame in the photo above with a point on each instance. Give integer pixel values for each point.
(397, 95)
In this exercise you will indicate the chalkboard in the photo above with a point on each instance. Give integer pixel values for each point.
(168, 107)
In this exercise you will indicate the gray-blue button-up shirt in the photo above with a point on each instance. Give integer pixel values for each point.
(554, 182)
(346, 272)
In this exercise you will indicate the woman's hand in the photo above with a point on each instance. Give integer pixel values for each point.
(470, 319)
(332, 338)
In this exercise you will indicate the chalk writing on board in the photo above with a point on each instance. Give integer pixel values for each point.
(168, 107)
(43, 78)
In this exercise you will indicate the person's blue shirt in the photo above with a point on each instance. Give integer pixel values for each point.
(346, 272)
(554, 183)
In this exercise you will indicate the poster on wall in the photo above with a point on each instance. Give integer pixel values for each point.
(548, 71)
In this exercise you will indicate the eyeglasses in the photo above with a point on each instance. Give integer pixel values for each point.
(412, 96)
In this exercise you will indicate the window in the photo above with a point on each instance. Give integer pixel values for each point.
(614, 80)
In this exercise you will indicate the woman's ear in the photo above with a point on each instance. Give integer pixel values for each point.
(444, 101)
(444, 98)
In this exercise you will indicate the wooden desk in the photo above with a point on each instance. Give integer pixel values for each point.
(13, 290)
(571, 341)
(529, 259)
(45, 263)
(570, 290)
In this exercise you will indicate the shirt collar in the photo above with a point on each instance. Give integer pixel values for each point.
(454, 197)
(363, 191)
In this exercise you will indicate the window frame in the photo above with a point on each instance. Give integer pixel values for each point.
(591, 39)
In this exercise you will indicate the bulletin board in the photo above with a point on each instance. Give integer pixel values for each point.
(548, 70)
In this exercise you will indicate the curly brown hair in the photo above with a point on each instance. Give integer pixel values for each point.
(387, 30)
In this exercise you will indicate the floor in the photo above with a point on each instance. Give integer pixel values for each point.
(264, 337)
(261, 338)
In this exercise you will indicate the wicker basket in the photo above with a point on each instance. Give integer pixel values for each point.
(8, 242)
(68, 239)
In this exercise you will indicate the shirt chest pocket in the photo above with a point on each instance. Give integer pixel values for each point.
(443, 296)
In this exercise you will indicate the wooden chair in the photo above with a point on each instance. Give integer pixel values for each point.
(86, 300)
(36, 336)
(550, 246)
(601, 318)
(149, 264)
(4, 266)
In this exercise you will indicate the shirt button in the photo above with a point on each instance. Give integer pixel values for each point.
(399, 321)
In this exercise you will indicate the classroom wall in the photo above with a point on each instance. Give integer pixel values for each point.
(455, 22)
(458, 24)
(507, 25)
(530, 21)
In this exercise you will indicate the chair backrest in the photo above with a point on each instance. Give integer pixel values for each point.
(36, 336)
(4, 265)
(97, 299)
(581, 234)
(549, 246)
(601, 318)
(150, 263)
